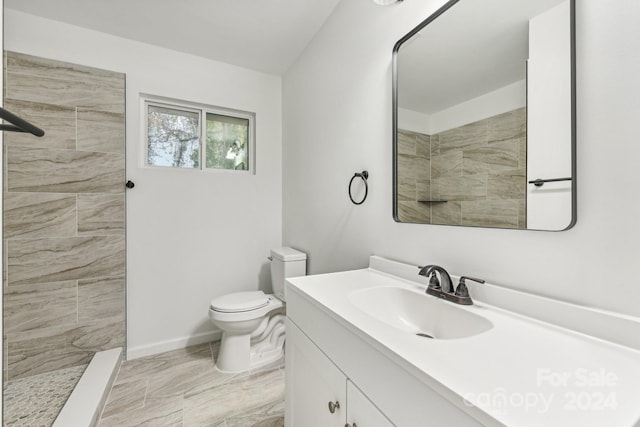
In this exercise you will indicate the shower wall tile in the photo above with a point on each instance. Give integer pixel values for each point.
(101, 214)
(446, 165)
(472, 135)
(101, 299)
(48, 81)
(406, 142)
(492, 158)
(405, 166)
(32, 215)
(64, 282)
(413, 211)
(506, 126)
(449, 213)
(52, 260)
(522, 213)
(43, 305)
(423, 145)
(468, 187)
(507, 185)
(48, 349)
(406, 189)
(63, 171)
(58, 122)
(100, 131)
(423, 190)
(490, 213)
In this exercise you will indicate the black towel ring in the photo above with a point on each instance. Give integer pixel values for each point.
(364, 175)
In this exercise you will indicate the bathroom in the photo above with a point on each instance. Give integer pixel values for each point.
(321, 115)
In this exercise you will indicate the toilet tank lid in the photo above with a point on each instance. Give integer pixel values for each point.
(286, 253)
(240, 301)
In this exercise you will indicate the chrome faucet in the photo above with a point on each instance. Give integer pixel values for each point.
(459, 295)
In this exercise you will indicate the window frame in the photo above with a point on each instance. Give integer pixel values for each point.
(202, 110)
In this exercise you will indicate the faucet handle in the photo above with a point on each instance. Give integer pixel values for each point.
(462, 290)
(434, 283)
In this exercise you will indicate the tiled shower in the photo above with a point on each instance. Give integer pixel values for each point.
(64, 217)
(472, 175)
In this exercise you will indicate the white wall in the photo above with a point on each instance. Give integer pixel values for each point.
(191, 236)
(337, 120)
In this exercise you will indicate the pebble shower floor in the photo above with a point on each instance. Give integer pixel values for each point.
(37, 400)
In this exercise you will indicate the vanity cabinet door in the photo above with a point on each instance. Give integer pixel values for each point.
(312, 383)
(361, 412)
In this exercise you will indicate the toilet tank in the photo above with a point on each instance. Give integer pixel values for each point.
(286, 262)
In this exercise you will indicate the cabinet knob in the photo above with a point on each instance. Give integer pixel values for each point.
(333, 406)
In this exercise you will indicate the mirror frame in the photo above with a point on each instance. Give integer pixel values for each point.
(573, 126)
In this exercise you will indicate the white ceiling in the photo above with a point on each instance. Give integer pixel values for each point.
(264, 35)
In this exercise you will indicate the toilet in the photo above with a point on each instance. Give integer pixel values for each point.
(252, 323)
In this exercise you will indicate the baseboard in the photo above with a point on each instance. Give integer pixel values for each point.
(174, 344)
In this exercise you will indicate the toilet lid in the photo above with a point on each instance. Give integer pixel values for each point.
(240, 301)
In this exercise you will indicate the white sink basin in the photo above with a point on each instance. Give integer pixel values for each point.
(418, 314)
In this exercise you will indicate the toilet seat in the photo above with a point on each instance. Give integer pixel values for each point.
(239, 301)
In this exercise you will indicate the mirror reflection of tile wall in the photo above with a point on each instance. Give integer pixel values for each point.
(472, 175)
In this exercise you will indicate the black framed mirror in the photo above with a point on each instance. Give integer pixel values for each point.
(484, 116)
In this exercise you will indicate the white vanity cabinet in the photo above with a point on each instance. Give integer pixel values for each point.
(319, 394)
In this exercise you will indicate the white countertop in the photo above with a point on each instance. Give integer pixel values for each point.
(522, 372)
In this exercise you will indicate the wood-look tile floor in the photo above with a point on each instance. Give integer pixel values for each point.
(183, 388)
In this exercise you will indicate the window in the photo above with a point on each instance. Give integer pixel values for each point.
(176, 135)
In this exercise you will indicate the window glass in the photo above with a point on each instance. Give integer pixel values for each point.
(173, 137)
(227, 144)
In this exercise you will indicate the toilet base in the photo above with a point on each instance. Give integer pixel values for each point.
(240, 353)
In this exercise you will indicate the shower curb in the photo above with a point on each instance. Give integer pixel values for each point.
(84, 406)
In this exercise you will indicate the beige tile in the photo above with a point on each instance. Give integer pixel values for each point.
(47, 349)
(469, 187)
(52, 260)
(234, 399)
(32, 215)
(522, 213)
(507, 126)
(36, 79)
(423, 145)
(421, 168)
(470, 135)
(491, 213)
(101, 299)
(271, 415)
(100, 131)
(449, 213)
(135, 369)
(507, 185)
(522, 159)
(446, 165)
(165, 412)
(43, 305)
(64, 171)
(406, 189)
(405, 167)
(406, 142)
(423, 190)
(493, 158)
(101, 214)
(187, 378)
(414, 212)
(58, 123)
(125, 397)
